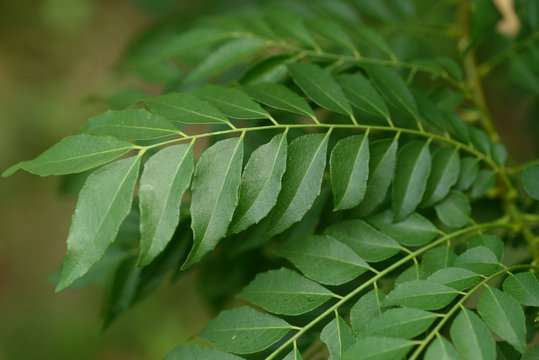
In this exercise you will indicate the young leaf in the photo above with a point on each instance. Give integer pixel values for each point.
(166, 176)
(130, 124)
(438, 258)
(411, 174)
(320, 86)
(404, 323)
(494, 243)
(393, 88)
(338, 337)
(280, 97)
(362, 94)
(441, 349)
(383, 155)
(301, 181)
(483, 182)
(504, 317)
(74, 154)
(214, 195)
(421, 294)
(524, 287)
(457, 278)
(103, 204)
(285, 292)
(232, 102)
(323, 259)
(471, 337)
(378, 348)
(349, 168)
(530, 181)
(469, 169)
(364, 240)
(185, 108)
(444, 174)
(367, 308)
(415, 230)
(195, 352)
(244, 330)
(479, 259)
(455, 210)
(224, 57)
(260, 183)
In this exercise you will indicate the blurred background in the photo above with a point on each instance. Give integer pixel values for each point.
(57, 58)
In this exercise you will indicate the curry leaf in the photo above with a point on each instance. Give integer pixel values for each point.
(524, 287)
(338, 337)
(185, 108)
(471, 336)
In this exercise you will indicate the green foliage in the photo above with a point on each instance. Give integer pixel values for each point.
(343, 174)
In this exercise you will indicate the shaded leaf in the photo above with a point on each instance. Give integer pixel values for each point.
(455, 210)
(531, 353)
(369, 243)
(332, 31)
(284, 291)
(338, 337)
(498, 153)
(196, 352)
(214, 195)
(471, 336)
(524, 287)
(415, 230)
(362, 94)
(504, 317)
(130, 124)
(324, 259)
(293, 355)
(469, 169)
(421, 294)
(301, 181)
(457, 278)
(483, 182)
(530, 181)
(444, 174)
(404, 323)
(349, 168)
(166, 176)
(457, 127)
(244, 330)
(494, 243)
(479, 259)
(194, 39)
(104, 202)
(290, 25)
(260, 183)
(411, 174)
(441, 349)
(371, 38)
(367, 308)
(438, 258)
(480, 140)
(378, 348)
(185, 108)
(74, 154)
(280, 97)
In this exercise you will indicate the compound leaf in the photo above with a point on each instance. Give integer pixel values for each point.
(367, 308)
(457, 278)
(194, 352)
(530, 181)
(469, 168)
(441, 349)
(362, 94)
(479, 259)
(483, 182)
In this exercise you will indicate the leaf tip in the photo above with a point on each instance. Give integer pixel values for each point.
(12, 169)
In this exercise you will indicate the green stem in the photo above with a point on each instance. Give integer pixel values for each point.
(381, 274)
(434, 332)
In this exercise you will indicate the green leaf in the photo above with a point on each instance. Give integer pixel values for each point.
(349, 168)
(411, 174)
(494, 243)
(444, 174)
(194, 39)
(74, 154)
(338, 337)
(531, 353)
(332, 31)
(369, 243)
(320, 86)
(244, 330)
(414, 272)
(224, 57)
(378, 348)
(524, 287)
(480, 140)
(280, 97)
(457, 127)
(362, 94)
(166, 176)
(323, 259)
(469, 169)
(393, 88)
(455, 210)
(441, 349)
(499, 153)
(185, 108)
(504, 317)
(284, 291)
(530, 181)
(290, 25)
(383, 155)
(214, 195)
(404, 323)
(457, 278)
(471, 337)
(438, 258)
(293, 355)
(196, 352)
(260, 183)
(373, 39)
(130, 124)
(483, 182)
(415, 230)
(421, 294)
(301, 181)
(232, 102)
(367, 308)
(104, 202)
(479, 259)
